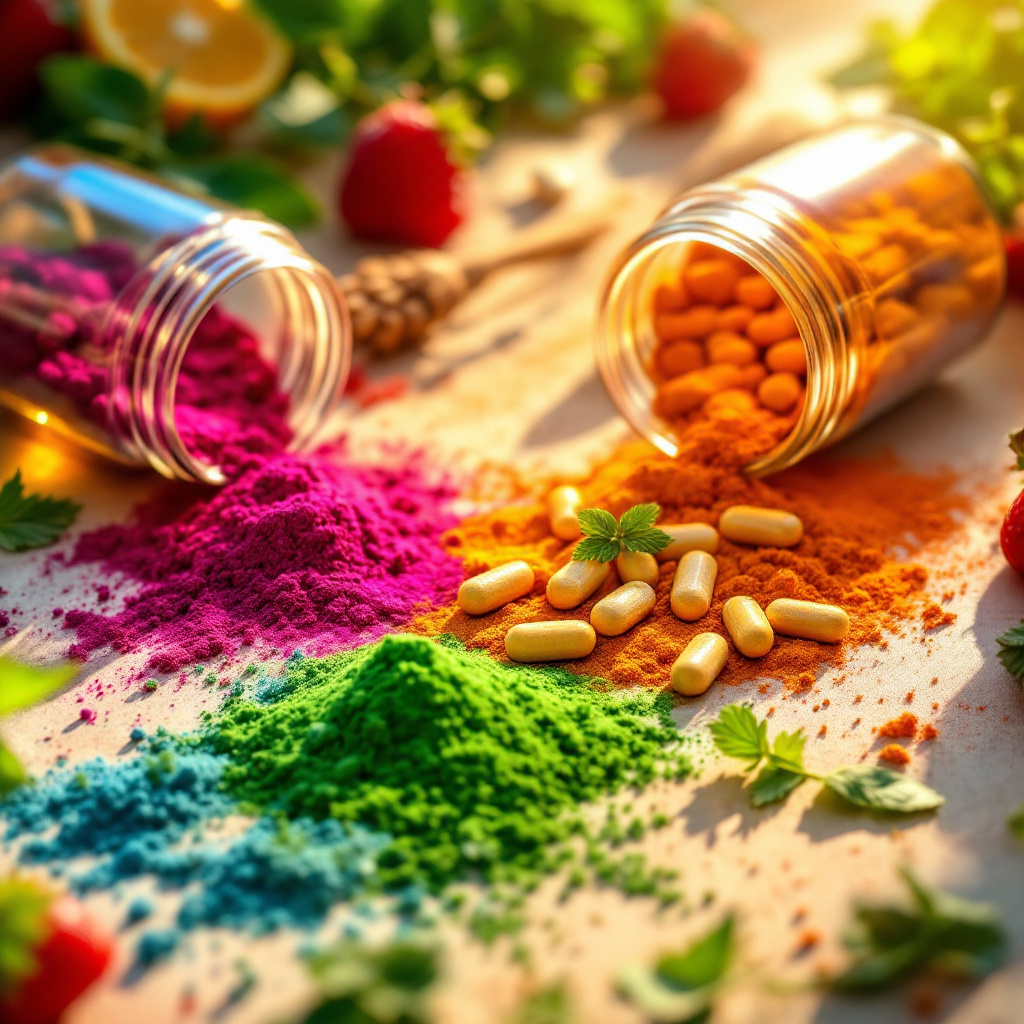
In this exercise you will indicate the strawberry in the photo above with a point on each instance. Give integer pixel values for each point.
(703, 61)
(30, 30)
(62, 953)
(1015, 266)
(402, 183)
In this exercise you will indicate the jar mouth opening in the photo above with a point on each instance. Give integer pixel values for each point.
(627, 309)
(283, 313)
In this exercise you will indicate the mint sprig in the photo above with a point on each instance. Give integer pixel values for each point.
(606, 537)
(1011, 651)
(938, 932)
(31, 520)
(737, 733)
(1017, 447)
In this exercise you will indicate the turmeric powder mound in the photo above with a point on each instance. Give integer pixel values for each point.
(903, 727)
(859, 517)
(894, 754)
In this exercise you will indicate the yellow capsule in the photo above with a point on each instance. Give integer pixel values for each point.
(564, 505)
(699, 664)
(623, 608)
(748, 524)
(694, 585)
(496, 587)
(637, 565)
(748, 626)
(808, 619)
(688, 537)
(575, 582)
(550, 641)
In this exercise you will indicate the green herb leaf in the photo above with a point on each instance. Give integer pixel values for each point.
(255, 183)
(23, 927)
(649, 541)
(880, 789)
(31, 520)
(306, 20)
(682, 987)
(737, 733)
(596, 522)
(638, 519)
(81, 88)
(1011, 651)
(939, 932)
(594, 549)
(788, 751)
(773, 784)
(24, 685)
(1015, 823)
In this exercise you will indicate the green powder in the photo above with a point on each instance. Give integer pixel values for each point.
(474, 768)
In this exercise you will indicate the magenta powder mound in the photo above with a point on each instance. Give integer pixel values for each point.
(296, 552)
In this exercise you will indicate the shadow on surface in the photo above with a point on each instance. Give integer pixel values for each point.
(584, 409)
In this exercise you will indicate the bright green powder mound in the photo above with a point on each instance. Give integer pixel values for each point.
(474, 768)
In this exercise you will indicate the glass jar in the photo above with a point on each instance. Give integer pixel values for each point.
(875, 236)
(156, 327)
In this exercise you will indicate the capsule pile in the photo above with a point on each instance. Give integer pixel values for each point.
(693, 546)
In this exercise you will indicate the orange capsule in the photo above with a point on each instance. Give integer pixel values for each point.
(726, 347)
(679, 357)
(684, 394)
(695, 322)
(670, 297)
(754, 291)
(734, 318)
(731, 402)
(751, 376)
(768, 328)
(787, 357)
(711, 280)
(780, 392)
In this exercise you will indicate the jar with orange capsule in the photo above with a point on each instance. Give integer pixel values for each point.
(806, 293)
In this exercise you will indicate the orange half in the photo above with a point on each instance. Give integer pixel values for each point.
(223, 59)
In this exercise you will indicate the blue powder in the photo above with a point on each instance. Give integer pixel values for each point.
(157, 945)
(138, 734)
(138, 910)
(145, 816)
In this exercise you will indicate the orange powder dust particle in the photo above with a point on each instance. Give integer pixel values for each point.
(904, 727)
(933, 617)
(823, 730)
(929, 732)
(894, 754)
(853, 512)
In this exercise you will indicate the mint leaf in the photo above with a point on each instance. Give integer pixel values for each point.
(880, 789)
(939, 931)
(83, 88)
(254, 183)
(649, 541)
(1011, 651)
(681, 989)
(737, 733)
(639, 518)
(594, 549)
(773, 784)
(305, 116)
(788, 751)
(23, 927)
(31, 520)
(1015, 823)
(24, 685)
(596, 522)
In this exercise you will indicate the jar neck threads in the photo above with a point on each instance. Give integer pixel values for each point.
(149, 328)
(758, 227)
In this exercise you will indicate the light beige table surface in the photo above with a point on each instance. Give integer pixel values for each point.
(511, 380)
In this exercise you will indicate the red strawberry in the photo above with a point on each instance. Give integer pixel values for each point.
(72, 956)
(402, 184)
(1015, 266)
(703, 61)
(30, 30)
(1011, 536)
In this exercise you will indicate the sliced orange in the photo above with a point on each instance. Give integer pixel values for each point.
(222, 58)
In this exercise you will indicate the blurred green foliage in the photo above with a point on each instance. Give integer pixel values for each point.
(962, 70)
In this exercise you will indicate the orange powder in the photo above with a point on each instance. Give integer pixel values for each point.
(894, 754)
(904, 727)
(853, 513)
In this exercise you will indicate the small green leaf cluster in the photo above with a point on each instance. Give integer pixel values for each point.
(20, 687)
(960, 70)
(606, 537)
(109, 110)
(938, 932)
(31, 520)
(737, 733)
(681, 987)
(1011, 651)
(23, 910)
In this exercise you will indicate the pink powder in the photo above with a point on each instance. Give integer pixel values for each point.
(297, 550)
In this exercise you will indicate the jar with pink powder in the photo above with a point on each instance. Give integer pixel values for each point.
(157, 327)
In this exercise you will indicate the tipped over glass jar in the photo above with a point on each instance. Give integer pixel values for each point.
(796, 299)
(156, 327)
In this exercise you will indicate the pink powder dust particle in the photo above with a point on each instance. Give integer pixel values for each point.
(296, 550)
(87, 715)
